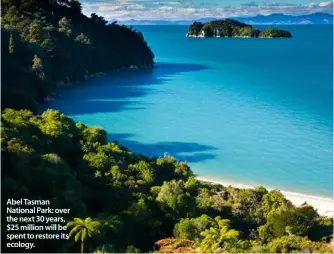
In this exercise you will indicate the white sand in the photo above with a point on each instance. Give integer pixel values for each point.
(324, 206)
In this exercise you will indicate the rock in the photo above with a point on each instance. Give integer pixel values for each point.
(133, 67)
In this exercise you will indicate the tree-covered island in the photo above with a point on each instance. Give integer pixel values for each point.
(119, 201)
(233, 28)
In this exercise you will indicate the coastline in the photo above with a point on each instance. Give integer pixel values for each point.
(324, 206)
(62, 84)
(245, 37)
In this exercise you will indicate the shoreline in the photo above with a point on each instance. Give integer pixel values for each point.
(55, 93)
(243, 37)
(324, 206)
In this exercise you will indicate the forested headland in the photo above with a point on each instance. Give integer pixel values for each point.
(49, 43)
(120, 201)
(141, 204)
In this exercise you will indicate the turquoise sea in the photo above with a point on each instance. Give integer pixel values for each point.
(253, 111)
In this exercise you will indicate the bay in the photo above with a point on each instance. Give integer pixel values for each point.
(253, 111)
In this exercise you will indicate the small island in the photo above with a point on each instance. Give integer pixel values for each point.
(233, 28)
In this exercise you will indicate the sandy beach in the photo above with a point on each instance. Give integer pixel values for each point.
(324, 206)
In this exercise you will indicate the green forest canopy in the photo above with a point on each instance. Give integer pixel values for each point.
(233, 28)
(138, 200)
(127, 202)
(49, 43)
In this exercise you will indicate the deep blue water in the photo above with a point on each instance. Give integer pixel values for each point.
(254, 111)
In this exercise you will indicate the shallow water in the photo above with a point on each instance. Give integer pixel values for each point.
(254, 111)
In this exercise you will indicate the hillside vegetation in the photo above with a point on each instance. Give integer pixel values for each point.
(49, 43)
(119, 201)
(137, 201)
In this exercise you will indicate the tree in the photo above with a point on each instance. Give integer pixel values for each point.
(76, 6)
(11, 44)
(222, 238)
(301, 219)
(191, 228)
(11, 18)
(100, 21)
(211, 241)
(35, 34)
(171, 194)
(294, 221)
(37, 66)
(100, 161)
(82, 39)
(94, 134)
(81, 229)
(143, 171)
(109, 224)
(211, 202)
(271, 201)
(174, 196)
(322, 230)
(289, 244)
(64, 26)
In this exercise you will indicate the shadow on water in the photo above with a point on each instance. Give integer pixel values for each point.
(185, 151)
(118, 91)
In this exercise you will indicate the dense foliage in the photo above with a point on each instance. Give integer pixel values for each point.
(232, 28)
(120, 201)
(49, 43)
(275, 33)
(133, 202)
